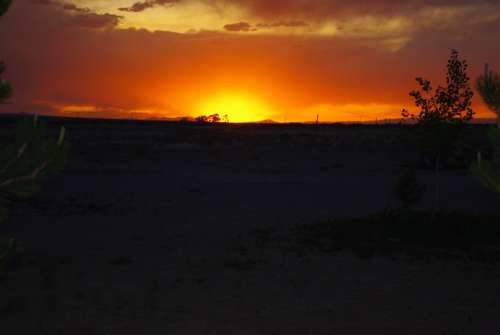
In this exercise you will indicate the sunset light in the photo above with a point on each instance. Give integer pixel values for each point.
(239, 107)
(252, 60)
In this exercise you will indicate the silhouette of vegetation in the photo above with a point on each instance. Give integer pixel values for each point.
(28, 159)
(488, 86)
(5, 88)
(23, 163)
(4, 5)
(214, 118)
(394, 234)
(443, 113)
(9, 250)
(408, 189)
(185, 119)
(488, 172)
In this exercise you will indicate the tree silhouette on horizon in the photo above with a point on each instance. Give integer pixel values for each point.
(443, 113)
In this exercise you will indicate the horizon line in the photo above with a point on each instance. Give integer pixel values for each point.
(191, 119)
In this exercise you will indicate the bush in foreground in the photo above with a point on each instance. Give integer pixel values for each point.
(488, 172)
(22, 164)
(394, 233)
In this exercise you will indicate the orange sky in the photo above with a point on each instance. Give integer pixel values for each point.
(286, 60)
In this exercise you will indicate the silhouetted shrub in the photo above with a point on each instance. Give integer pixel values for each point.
(408, 189)
(395, 233)
(30, 157)
(214, 118)
(22, 164)
(488, 172)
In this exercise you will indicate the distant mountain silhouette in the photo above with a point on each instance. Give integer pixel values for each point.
(267, 121)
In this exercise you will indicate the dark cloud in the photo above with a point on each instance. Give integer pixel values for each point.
(80, 16)
(247, 27)
(337, 8)
(62, 5)
(141, 6)
(240, 26)
(94, 21)
(285, 24)
(72, 7)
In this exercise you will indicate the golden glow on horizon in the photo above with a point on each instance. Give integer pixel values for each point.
(74, 109)
(238, 106)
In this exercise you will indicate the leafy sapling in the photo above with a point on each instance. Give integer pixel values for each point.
(443, 113)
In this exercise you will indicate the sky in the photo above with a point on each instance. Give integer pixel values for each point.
(285, 60)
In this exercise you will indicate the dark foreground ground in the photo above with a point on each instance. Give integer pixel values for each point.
(150, 230)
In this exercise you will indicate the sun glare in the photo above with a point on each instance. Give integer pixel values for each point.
(239, 107)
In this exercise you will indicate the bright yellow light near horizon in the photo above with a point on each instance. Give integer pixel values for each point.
(239, 107)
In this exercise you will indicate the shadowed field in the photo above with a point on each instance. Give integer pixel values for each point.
(151, 229)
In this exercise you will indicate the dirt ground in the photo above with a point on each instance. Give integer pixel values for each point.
(138, 235)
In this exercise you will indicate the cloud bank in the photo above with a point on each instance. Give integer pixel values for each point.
(142, 6)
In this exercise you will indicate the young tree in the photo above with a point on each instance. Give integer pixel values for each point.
(488, 86)
(5, 88)
(488, 172)
(443, 113)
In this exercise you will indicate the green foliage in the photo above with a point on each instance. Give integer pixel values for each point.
(22, 163)
(443, 111)
(488, 86)
(30, 157)
(4, 5)
(5, 88)
(408, 189)
(488, 172)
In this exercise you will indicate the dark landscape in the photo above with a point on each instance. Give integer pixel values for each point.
(187, 228)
